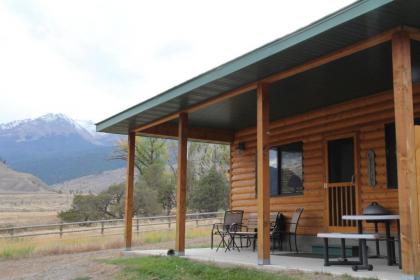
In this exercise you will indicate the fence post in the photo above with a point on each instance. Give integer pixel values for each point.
(196, 220)
(137, 224)
(61, 230)
(12, 232)
(102, 227)
(169, 222)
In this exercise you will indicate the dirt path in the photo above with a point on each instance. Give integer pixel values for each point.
(70, 266)
(88, 265)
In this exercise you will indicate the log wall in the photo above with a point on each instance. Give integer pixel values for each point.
(366, 116)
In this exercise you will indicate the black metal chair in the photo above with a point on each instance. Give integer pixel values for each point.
(232, 217)
(249, 231)
(276, 232)
(293, 225)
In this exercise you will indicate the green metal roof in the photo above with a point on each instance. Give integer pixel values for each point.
(351, 24)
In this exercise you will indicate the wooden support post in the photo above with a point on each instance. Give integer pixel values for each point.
(181, 184)
(129, 191)
(263, 175)
(406, 154)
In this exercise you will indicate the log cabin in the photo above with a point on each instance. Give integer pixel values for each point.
(324, 118)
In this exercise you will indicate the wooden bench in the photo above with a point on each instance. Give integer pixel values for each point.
(363, 256)
(252, 220)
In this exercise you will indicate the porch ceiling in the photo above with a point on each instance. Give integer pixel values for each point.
(361, 74)
(351, 77)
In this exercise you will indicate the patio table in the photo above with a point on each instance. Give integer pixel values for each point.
(386, 219)
(248, 235)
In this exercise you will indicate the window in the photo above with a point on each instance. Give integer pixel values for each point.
(286, 169)
(341, 160)
(391, 154)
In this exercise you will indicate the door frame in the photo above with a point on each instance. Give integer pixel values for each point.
(356, 153)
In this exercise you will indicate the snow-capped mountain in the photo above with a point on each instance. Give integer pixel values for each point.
(54, 124)
(56, 147)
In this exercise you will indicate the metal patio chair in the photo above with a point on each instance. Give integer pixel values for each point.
(249, 233)
(232, 217)
(293, 225)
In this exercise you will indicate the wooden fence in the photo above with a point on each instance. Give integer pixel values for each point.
(140, 224)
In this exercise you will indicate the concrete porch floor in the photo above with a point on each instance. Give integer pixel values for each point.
(280, 262)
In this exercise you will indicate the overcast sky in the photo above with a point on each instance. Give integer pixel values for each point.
(92, 59)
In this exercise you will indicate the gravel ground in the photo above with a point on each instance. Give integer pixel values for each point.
(88, 265)
(70, 266)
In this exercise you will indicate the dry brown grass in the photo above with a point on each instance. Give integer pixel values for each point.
(14, 248)
(37, 208)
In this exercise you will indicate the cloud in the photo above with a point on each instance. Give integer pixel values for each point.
(92, 59)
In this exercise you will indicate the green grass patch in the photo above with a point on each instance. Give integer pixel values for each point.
(11, 251)
(173, 268)
(154, 237)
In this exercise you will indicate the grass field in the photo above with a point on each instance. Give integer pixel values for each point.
(14, 248)
(37, 208)
(173, 268)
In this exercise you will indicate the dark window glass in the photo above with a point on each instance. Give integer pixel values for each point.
(340, 160)
(286, 169)
(391, 156)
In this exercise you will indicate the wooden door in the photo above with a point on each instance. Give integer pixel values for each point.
(341, 182)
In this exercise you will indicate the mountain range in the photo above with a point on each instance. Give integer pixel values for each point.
(12, 181)
(95, 183)
(57, 148)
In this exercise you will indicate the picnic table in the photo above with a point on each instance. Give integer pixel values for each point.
(386, 220)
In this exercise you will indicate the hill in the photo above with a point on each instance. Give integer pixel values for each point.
(93, 183)
(57, 148)
(16, 182)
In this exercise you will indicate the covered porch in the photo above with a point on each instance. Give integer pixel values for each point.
(351, 75)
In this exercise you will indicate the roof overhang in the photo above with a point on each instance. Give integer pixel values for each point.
(350, 25)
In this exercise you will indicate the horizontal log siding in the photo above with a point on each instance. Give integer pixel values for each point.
(366, 116)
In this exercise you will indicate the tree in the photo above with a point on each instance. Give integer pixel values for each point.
(155, 189)
(159, 183)
(145, 201)
(111, 201)
(202, 157)
(84, 208)
(156, 174)
(211, 193)
(148, 151)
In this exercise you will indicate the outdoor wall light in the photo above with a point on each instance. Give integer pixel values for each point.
(240, 147)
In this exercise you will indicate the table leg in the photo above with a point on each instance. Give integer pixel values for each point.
(326, 253)
(378, 254)
(365, 263)
(399, 244)
(388, 243)
(360, 231)
(343, 249)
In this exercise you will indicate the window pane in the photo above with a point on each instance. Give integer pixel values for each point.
(291, 174)
(340, 160)
(391, 157)
(274, 180)
(391, 154)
